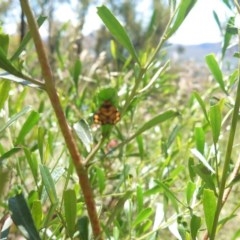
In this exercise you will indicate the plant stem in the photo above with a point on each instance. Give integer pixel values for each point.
(67, 134)
(227, 160)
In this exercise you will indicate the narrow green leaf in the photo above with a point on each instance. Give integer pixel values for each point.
(37, 213)
(20, 79)
(9, 153)
(41, 134)
(100, 179)
(142, 216)
(7, 65)
(209, 208)
(199, 137)
(202, 105)
(26, 39)
(156, 76)
(228, 35)
(33, 163)
(4, 40)
(192, 173)
(215, 116)
(170, 195)
(5, 87)
(116, 30)
(76, 72)
(155, 121)
(15, 117)
(48, 184)
(70, 210)
(83, 223)
(31, 121)
(83, 132)
(215, 70)
(191, 187)
(195, 225)
(139, 198)
(217, 20)
(140, 144)
(206, 176)
(22, 217)
(200, 157)
(183, 9)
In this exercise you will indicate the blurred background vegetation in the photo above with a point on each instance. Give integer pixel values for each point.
(129, 179)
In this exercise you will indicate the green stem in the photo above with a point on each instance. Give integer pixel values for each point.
(227, 158)
(67, 134)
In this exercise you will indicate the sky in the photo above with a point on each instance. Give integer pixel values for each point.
(199, 26)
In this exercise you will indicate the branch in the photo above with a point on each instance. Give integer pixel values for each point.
(67, 134)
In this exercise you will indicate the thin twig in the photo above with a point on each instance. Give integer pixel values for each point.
(70, 142)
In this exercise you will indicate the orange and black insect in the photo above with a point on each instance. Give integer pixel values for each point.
(107, 114)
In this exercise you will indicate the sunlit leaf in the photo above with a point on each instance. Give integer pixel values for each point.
(215, 70)
(31, 121)
(70, 210)
(83, 132)
(209, 207)
(49, 184)
(116, 30)
(215, 116)
(142, 216)
(183, 9)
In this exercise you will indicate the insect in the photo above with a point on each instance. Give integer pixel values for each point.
(107, 114)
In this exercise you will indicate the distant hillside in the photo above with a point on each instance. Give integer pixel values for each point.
(196, 53)
(192, 52)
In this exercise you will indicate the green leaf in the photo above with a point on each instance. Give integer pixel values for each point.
(228, 35)
(202, 159)
(100, 179)
(199, 137)
(7, 65)
(139, 198)
(15, 117)
(9, 153)
(4, 40)
(83, 223)
(107, 94)
(180, 14)
(41, 134)
(206, 176)
(70, 210)
(76, 72)
(33, 163)
(170, 195)
(155, 121)
(26, 39)
(191, 187)
(22, 217)
(37, 213)
(142, 216)
(215, 70)
(83, 132)
(48, 184)
(31, 121)
(116, 30)
(209, 208)
(215, 116)
(140, 144)
(195, 225)
(20, 79)
(5, 87)
(202, 105)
